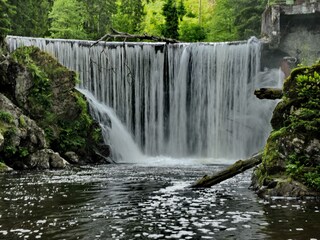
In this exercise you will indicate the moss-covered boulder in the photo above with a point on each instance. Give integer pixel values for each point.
(291, 159)
(45, 91)
(20, 136)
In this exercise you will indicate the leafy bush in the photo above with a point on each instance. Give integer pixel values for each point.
(313, 179)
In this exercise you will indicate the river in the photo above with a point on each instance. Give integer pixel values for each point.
(143, 201)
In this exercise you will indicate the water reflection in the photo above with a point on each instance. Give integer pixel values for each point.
(136, 202)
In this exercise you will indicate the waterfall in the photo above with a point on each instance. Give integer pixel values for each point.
(175, 99)
(115, 133)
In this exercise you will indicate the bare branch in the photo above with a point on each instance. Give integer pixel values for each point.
(122, 35)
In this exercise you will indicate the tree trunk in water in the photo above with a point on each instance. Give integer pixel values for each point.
(233, 170)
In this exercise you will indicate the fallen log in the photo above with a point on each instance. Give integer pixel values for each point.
(233, 170)
(268, 93)
(123, 35)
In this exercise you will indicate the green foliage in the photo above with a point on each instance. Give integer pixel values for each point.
(297, 168)
(129, 16)
(10, 150)
(191, 32)
(40, 94)
(73, 133)
(6, 117)
(170, 12)
(220, 20)
(97, 16)
(31, 18)
(301, 121)
(303, 86)
(305, 119)
(294, 168)
(153, 19)
(235, 19)
(308, 87)
(23, 152)
(68, 19)
(248, 17)
(6, 10)
(313, 179)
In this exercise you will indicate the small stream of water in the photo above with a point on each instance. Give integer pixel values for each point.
(145, 202)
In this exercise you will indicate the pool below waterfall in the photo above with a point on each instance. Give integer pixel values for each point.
(133, 201)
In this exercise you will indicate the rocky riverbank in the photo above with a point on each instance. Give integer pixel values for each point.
(291, 160)
(44, 120)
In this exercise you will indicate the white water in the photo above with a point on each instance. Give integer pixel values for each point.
(177, 100)
(116, 135)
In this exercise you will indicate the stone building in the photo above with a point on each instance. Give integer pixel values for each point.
(292, 29)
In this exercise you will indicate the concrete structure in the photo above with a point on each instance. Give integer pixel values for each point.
(292, 29)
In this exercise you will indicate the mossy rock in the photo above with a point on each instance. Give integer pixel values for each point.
(293, 147)
(304, 84)
(4, 167)
(46, 91)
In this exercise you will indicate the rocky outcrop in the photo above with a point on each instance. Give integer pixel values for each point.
(43, 116)
(22, 141)
(45, 159)
(291, 159)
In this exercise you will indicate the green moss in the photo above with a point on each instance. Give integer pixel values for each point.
(296, 117)
(6, 117)
(6, 121)
(55, 105)
(3, 167)
(74, 133)
(40, 96)
(22, 121)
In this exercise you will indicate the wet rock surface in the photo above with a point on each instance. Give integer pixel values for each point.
(42, 115)
(290, 165)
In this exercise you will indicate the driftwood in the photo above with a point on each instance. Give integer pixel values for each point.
(233, 170)
(124, 36)
(268, 93)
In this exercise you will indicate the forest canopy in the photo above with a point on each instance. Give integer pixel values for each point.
(186, 20)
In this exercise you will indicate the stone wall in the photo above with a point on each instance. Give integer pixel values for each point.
(291, 31)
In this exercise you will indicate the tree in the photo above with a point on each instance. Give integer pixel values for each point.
(170, 12)
(129, 16)
(248, 19)
(31, 18)
(191, 31)
(153, 19)
(222, 25)
(235, 19)
(68, 19)
(98, 16)
(5, 10)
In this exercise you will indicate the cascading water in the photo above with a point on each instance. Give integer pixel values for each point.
(120, 137)
(176, 99)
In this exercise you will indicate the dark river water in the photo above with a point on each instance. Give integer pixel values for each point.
(145, 202)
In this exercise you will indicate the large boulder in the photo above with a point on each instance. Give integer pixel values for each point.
(291, 159)
(45, 91)
(45, 159)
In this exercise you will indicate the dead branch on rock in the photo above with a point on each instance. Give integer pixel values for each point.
(233, 170)
(124, 36)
